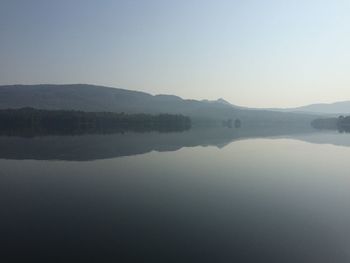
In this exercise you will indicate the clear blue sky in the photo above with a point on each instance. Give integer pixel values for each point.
(252, 52)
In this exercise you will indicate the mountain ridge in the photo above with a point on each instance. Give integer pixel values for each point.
(88, 97)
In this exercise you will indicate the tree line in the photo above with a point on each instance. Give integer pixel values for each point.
(39, 121)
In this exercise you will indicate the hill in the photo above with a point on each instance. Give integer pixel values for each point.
(334, 109)
(342, 107)
(99, 98)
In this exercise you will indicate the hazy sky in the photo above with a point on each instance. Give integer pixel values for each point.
(252, 53)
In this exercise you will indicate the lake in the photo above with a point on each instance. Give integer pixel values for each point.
(204, 195)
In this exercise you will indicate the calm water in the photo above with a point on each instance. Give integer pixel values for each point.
(198, 196)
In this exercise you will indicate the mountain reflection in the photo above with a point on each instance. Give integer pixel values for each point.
(103, 146)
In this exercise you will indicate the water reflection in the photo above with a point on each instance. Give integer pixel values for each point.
(103, 146)
(259, 200)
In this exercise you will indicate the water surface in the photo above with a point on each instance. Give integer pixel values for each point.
(197, 196)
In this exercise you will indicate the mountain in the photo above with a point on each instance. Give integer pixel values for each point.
(93, 98)
(333, 109)
(342, 107)
(99, 98)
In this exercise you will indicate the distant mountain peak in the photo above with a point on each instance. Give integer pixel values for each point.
(168, 97)
(221, 100)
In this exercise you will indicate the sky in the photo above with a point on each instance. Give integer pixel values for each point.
(250, 52)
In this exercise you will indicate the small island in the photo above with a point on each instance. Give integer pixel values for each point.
(341, 123)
